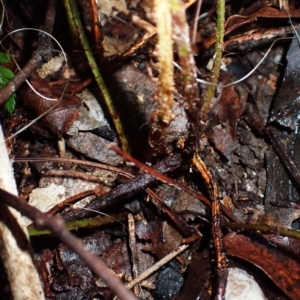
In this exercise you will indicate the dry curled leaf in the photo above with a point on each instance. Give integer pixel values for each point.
(65, 111)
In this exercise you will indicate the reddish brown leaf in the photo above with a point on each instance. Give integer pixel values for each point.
(171, 240)
(65, 112)
(152, 231)
(230, 106)
(235, 21)
(227, 109)
(282, 269)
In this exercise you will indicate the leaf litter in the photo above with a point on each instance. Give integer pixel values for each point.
(232, 145)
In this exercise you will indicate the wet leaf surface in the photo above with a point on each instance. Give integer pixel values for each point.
(280, 267)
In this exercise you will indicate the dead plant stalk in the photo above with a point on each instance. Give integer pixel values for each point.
(165, 57)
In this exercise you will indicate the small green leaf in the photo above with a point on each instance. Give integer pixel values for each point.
(4, 58)
(5, 76)
(6, 73)
(10, 103)
(3, 81)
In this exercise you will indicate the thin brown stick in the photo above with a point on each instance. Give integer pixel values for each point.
(21, 76)
(132, 246)
(74, 174)
(74, 161)
(72, 199)
(57, 226)
(221, 259)
(157, 266)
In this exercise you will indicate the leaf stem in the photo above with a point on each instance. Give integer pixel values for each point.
(218, 58)
(76, 25)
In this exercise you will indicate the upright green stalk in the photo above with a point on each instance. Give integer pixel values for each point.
(218, 57)
(76, 25)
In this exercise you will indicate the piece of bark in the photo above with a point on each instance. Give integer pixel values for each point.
(15, 247)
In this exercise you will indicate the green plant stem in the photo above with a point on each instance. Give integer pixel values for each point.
(262, 228)
(76, 25)
(81, 224)
(68, 11)
(218, 58)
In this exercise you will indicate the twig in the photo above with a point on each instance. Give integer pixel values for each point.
(21, 76)
(98, 36)
(74, 161)
(75, 22)
(15, 246)
(263, 228)
(73, 174)
(221, 260)
(132, 246)
(157, 266)
(58, 227)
